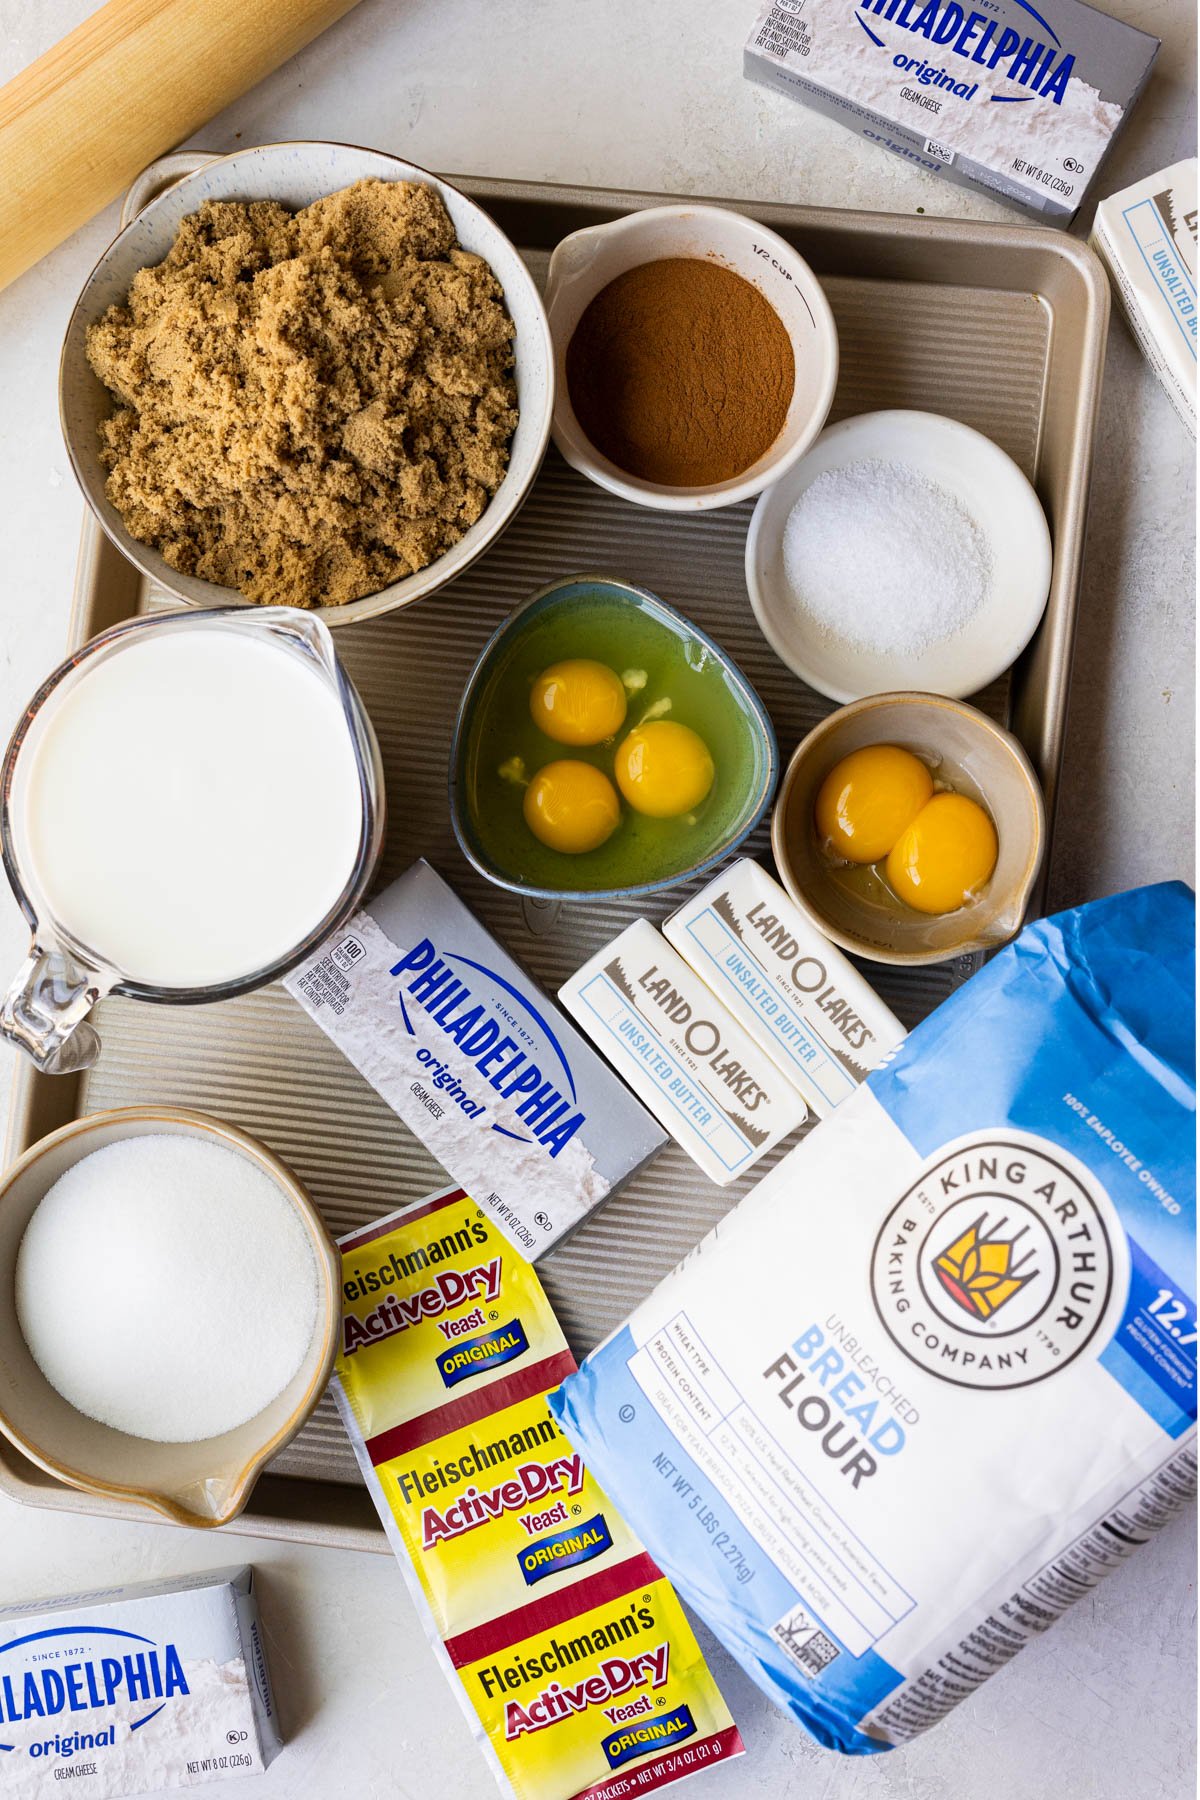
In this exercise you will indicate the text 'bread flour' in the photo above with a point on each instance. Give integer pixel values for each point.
(936, 1374)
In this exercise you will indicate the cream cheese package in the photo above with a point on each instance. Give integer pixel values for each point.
(568, 1651)
(715, 1090)
(487, 1072)
(126, 1690)
(1022, 102)
(1146, 237)
(936, 1374)
(800, 999)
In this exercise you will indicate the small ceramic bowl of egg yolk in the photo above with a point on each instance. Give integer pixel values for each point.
(605, 747)
(910, 829)
(932, 848)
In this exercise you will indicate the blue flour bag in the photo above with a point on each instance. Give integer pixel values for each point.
(936, 1374)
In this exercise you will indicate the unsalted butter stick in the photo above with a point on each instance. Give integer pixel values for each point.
(701, 1075)
(797, 995)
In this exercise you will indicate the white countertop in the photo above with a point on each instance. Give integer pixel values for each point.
(623, 93)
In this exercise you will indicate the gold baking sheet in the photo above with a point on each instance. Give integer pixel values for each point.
(1000, 326)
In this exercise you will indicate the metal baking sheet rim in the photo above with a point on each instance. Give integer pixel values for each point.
(1039, 717)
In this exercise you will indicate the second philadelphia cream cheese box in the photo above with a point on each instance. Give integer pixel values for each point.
(794, 991)
(718, 1094)
(486, 1071)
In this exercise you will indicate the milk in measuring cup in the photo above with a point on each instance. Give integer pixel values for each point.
(189, 808)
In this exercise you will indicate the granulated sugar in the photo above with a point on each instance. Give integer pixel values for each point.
(885, 559)
(166, 1287)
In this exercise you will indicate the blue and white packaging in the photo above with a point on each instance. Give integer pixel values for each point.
(1146, 238)
(481, 1066)
(805, 1003)
(125, 1690)
(1021, 101)
(936, 1374)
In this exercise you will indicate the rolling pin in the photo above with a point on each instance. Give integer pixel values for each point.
(132, 81)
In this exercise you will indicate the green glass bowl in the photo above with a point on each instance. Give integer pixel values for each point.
(620, 624)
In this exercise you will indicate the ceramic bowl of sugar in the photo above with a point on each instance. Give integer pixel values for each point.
(904, 551)
(174, 1310)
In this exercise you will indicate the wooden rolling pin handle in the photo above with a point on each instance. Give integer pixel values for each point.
(132, 81)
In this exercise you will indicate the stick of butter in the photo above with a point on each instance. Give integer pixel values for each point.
(796, 994)
(1146, 238)
(700, 1074)
(125, 1690)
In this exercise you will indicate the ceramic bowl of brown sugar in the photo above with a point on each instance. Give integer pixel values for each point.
(695, 356)
(255, 462)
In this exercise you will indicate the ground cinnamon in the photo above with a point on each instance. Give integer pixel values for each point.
(680, 372)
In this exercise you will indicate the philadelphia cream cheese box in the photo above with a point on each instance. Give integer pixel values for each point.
(1023, 102)
(795, 993)
(124, 1690)
(720, 1096)
(487, 1072)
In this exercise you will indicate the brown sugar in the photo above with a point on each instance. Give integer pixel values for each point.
(311, 405)
(680, 372)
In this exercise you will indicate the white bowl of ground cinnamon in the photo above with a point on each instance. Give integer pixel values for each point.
(696, 356)
(307, 374)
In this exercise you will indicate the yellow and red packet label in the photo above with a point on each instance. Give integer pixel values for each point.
(499, 1512)
(576, 1664)
(437, 1307)
(601, 1693)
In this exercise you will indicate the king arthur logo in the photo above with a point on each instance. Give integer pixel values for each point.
(999, 1265)
(982, 1269)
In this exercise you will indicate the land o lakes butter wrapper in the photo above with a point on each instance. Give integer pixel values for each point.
(568, 1649)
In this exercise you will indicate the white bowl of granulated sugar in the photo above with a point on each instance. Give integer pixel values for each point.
(905, 550)
(173, 1311)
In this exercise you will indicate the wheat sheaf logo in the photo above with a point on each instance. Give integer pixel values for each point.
(1000, 1263)
(982, 1269)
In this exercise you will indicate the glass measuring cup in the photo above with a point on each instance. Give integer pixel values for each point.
(46, 1007)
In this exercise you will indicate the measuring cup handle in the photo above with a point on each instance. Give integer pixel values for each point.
(45, 1009)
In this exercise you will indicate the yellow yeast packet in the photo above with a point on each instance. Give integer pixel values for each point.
(568, 1649)
(499, 1513)
(611, 1700)
(436, 1306)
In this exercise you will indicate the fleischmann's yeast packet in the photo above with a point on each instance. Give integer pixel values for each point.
(445, 1307)
(487, 1072)
(936, 1374)
(569, 1651)
(127, 1690)
(799, 998)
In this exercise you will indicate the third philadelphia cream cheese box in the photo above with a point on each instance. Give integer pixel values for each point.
(1023, 102)
(705, 1078)
(126, 1690)
(486, 1071)
(795, 993)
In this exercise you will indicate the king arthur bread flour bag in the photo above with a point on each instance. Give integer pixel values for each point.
(937, 1373)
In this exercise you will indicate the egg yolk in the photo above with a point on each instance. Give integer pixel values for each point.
(664, 769)
(945, 856)
(571, 806)
(868, 799)
(578, 702)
